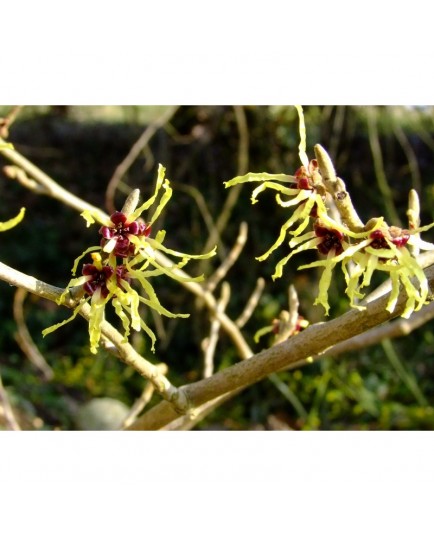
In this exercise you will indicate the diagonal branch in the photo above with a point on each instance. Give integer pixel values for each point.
(126, 352)
(314, 340)
(49, 186)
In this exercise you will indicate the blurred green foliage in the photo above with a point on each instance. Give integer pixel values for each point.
(385, 387)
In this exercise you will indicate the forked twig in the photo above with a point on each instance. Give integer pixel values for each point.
(210, 343)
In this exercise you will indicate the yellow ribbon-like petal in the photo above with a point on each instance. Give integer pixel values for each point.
(6, 225)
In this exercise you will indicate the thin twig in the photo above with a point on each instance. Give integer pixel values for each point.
(411, 156)
(228, 325)
(187, 422)
(140, 404)
(11, 421)
(134, 153)
(24, 338)
(197, 195)
(383, 185)
(6, 122)
(243, 147)
(229, 261)
(242, 168)
(18, 174)
(211, 341)
(49, 186)
(288, 319)
(294, 304)
(337, 189)
(251, 304)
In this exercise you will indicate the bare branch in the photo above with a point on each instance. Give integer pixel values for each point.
(11, 421)
(16, 173)
(211, 342)
(187, 422)
(228, 325)
(314, 340)
(47, 185)
(24, 338)
(242, 168)
(251, 303)
(140, 404)
(337, 189)
(229, 260)
(6, 122)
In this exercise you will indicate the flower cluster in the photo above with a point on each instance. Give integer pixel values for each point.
(360, 252)
(381, 248)
(126, 254)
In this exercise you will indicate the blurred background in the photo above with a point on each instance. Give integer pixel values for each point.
(380, 152)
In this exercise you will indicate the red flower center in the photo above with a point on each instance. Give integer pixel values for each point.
(330, 239)
(98, 279)
(121, 230)
(398, 237)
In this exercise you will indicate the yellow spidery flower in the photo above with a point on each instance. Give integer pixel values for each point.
(375, 247)
(127, 254)
(381, 248)
(307, 195)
